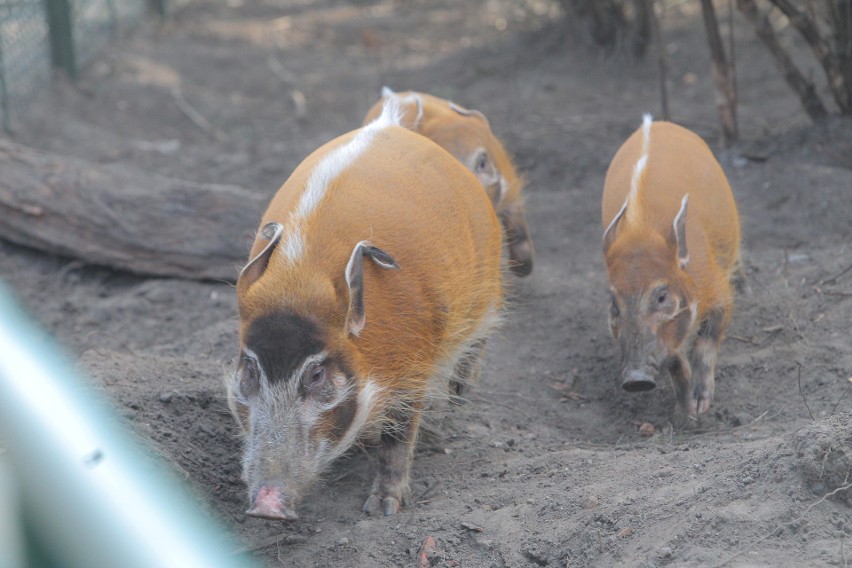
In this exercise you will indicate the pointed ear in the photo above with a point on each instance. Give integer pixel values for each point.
(256, 266)
(355, 280)
(609, 234)
(679, 233)
(387, 92)
(470, 112)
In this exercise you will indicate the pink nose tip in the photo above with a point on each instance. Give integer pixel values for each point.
(268, 505)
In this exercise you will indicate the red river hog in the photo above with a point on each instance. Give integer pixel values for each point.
(671, 243)
(374, 279)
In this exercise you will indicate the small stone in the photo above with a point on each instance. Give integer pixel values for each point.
(625, 532)
(665, 552)
(343, 541)
(166, 397)
(647, 429)
(590, 502)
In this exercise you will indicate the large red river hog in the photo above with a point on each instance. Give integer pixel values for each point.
(466, 134)
(374, 280)
(671, 244)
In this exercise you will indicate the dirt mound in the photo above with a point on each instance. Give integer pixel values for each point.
(824, 456)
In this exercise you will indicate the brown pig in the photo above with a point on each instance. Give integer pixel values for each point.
(671, 243)
(374, 279)
(467, 135)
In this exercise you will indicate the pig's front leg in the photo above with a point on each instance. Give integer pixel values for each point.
(396, 451)
(681, 373)
(705, 352)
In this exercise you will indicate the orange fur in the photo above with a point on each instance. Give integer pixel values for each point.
(462, 134)
(679, 162)
(415, 202)
(671, 303)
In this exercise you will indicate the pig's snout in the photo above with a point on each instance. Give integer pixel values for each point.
(521, 254)
(638, 381)
(269, 504)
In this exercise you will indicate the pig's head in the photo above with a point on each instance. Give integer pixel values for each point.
(653, 306)
(295, 391)
(466, 134)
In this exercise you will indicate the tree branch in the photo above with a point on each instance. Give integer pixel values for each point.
(802, 87)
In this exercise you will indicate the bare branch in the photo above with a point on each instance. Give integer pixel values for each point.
(840, 85)
(661, 55)
(726, 97)
(802, 87)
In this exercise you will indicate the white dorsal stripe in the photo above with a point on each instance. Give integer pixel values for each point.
(329, 168)
(641, 164)
(647, 119)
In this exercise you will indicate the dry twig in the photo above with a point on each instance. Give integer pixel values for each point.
(196, 117)
(833, 279)
(802, 394)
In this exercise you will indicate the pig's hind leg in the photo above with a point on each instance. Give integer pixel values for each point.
(395, 452)
(466, 372)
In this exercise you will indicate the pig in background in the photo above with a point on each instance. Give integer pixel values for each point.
(467, 135)
(671, 245)
(374, 282)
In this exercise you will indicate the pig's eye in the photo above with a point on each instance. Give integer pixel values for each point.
(318, 375)
(663, 301)
(481, 163)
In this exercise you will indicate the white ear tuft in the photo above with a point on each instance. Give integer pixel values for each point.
(609, 234)
(387, 92)
(256, 266)
(679, 231)
(354, 274)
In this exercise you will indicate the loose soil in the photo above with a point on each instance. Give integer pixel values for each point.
(546, 465)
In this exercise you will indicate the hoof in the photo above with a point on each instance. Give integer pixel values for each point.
(389, 506)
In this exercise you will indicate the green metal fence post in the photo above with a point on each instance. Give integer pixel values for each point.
(59, 23)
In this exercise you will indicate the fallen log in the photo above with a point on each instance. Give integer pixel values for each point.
(118, 217)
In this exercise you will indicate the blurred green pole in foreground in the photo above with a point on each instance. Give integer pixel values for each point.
(84, 493)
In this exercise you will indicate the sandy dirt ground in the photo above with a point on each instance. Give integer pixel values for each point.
(546, 465)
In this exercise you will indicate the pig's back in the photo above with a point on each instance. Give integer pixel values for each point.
(409, 197)
(679, 162)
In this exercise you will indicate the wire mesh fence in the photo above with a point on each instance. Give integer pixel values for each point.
(24, 53)
(36, 35)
